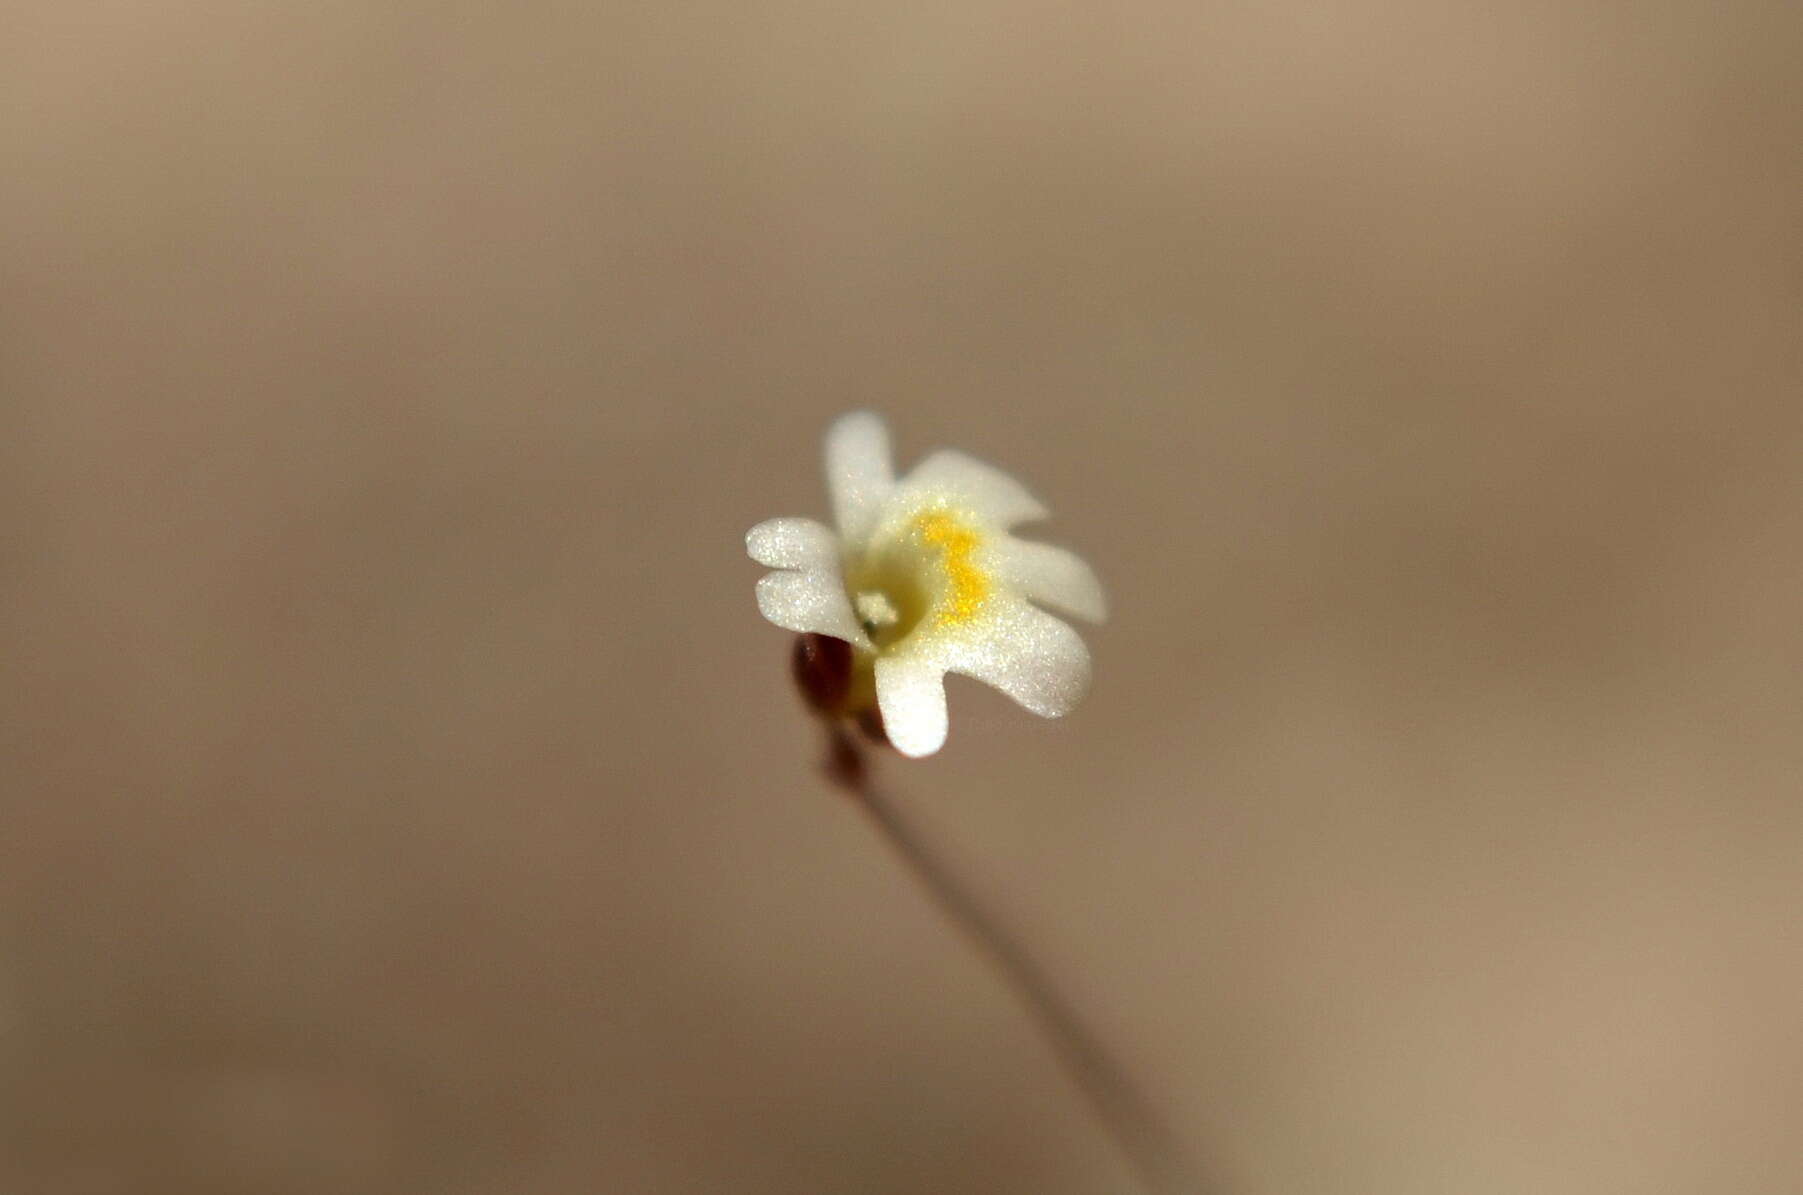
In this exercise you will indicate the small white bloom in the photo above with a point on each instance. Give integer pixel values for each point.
(923, 578)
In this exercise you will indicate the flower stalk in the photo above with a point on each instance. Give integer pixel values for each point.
(1142, 1135)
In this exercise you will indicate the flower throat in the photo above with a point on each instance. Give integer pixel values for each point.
(928, 570)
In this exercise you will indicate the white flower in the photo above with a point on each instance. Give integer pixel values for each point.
(923, 578)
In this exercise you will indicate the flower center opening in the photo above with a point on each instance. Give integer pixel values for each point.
(876, 611)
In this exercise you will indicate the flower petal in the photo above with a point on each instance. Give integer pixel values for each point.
(859, 474)
(967, 482)
(1051, 576)
(910, 692)
(811, 601)
(793, 543)
(1031, 656)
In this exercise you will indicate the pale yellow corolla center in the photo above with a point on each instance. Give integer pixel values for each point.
(925, 574)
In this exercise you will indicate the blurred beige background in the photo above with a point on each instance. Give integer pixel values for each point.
(401, 793)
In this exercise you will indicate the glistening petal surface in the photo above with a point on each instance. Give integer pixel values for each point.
(859, 472)
(1052, 576)
(910, 692)
(966, 482)
(811, 601)
(813, 597)
(1036, 659)
(793, 543)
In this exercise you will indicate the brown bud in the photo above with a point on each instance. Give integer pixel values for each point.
(822, 667)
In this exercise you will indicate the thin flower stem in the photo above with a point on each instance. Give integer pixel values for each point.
(1142, 1135)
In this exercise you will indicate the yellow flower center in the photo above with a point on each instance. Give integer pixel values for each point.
(966, 585)
(927, 572)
